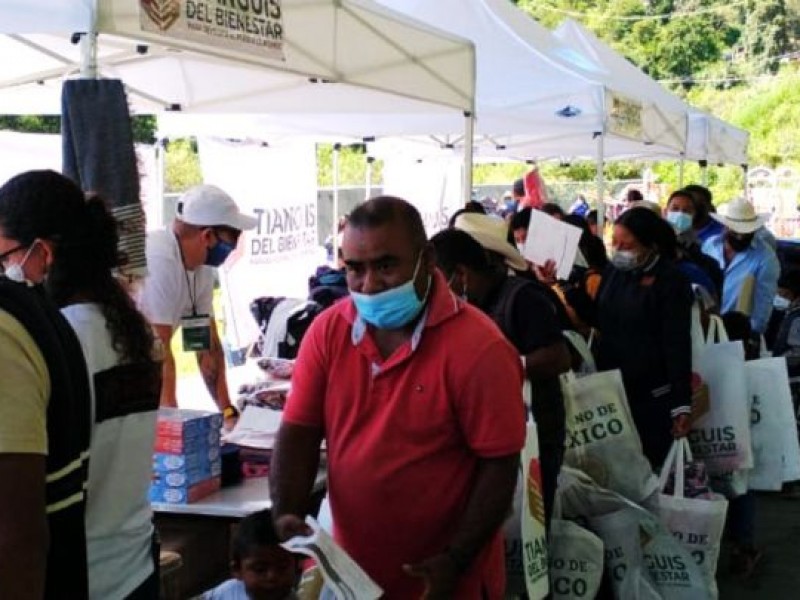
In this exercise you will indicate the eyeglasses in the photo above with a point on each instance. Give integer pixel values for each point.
(4, 256)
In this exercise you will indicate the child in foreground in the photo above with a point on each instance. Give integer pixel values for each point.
(261, 568)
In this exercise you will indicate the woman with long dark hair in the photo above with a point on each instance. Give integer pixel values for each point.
(68, 242)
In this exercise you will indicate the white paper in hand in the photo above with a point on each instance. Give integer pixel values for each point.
(342, 575)
(551, 239)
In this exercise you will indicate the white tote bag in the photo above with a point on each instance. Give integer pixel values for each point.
(534, 535)
(697, 523)
(524, 531)
(776, 452)
(576, 559)
(643, 560)
(584, 350)
(721, 437)
(602, 439)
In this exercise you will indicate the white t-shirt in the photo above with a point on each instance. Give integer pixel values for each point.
(166, 293)
(234, 589)
(119, 524)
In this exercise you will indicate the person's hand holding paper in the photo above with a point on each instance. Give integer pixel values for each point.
(551, 240)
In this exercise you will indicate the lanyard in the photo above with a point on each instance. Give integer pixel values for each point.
(191, 289)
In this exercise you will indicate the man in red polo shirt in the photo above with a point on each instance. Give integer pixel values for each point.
(418, 397)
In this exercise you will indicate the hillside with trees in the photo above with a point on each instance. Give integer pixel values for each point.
(738, 59)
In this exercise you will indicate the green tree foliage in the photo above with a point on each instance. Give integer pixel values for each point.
(31, 123)
(181, 166)
(352, 166)
(766, 34)
(144, 126)
(686, 40)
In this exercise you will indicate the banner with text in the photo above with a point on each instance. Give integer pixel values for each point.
(433, 185)
(277, 185)
(624, 116)
(249, 25)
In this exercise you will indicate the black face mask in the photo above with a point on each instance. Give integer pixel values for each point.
(738, 242)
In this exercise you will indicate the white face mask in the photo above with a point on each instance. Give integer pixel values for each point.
(15, 271)
(625, 260)
(781, 303)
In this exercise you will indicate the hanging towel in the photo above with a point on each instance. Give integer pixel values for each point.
(99, 155)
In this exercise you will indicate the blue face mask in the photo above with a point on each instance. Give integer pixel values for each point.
(681, 221)
(393, 308)
(217, 255)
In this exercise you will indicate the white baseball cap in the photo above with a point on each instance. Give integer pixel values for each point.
(209, 206)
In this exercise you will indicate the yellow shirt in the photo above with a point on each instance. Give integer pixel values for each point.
(24, 391)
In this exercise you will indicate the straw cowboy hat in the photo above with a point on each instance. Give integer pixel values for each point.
(492, 234)
(741, 217)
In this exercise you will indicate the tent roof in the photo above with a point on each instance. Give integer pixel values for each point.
(708, 138)
(338, 56)
(532, 87)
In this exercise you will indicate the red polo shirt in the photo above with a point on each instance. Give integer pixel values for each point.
(404, 435)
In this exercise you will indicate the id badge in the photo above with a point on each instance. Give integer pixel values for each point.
(196, 333)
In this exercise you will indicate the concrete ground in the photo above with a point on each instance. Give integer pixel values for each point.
(778, 534)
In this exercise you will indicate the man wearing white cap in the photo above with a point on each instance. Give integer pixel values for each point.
(178, 290)
(749, 264)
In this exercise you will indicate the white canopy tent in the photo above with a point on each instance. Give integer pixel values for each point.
(332, 56)
(709, 139)
(715, 141)
(331, 62)
(539, 98)
(536, 97)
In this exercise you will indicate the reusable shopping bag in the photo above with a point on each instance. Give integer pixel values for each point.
(642, 558)
(576, 559)
(583, 349)
(602, 439)
(721, 437)
(524, 531)
(697, 523)
(776, 452)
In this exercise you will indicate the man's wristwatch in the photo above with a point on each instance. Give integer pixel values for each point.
(230, 412)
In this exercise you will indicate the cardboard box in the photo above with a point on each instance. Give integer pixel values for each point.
(204, 442)
(186, 477)
(176, 470)
(163, 461)
(178, 422)
(185, 494)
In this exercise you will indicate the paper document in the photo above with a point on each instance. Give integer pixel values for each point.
(551, 239)
(256, 428)
(342, 575)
